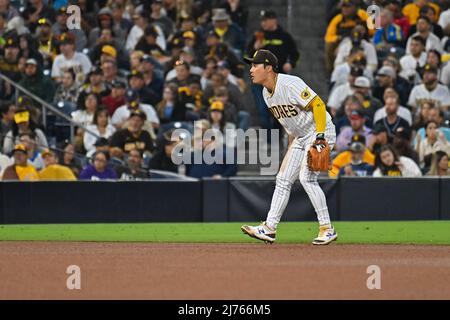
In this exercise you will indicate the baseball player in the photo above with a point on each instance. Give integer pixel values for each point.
(303, 115)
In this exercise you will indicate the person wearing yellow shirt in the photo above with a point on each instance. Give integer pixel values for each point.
(52, 170)
(21, 170)
(412, 10)
(345, 158)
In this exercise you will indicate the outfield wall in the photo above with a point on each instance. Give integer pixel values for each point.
(209, 200)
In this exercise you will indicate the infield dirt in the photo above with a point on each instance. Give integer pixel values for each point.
(37, 270)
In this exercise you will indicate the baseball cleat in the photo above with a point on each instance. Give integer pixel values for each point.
(326, 235)
(261, 232)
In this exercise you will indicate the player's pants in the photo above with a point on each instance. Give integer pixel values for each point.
(294, 166)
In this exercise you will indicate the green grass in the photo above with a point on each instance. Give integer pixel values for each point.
(405, 232)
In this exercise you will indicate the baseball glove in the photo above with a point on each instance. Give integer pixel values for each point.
(319, 156)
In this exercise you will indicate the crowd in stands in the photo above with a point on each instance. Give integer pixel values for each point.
(389, 87)
(132, 73)
(136, 70)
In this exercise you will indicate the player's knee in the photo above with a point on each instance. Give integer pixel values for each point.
(283, 182)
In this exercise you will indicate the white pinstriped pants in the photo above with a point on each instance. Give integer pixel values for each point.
(295, 166)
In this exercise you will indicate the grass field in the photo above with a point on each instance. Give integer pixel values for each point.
(404, 232)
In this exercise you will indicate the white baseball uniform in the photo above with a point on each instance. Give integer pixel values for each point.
(288, 103)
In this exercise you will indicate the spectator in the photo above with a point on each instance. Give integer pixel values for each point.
(218, 123)
(357, 127)
(152, 79)
(345, 158)
(120, 21)
(388, 163)
(356, 60)
(35, 10)
(436, 115)
(100, 128)
(220, 168)
(340, 93)
(424, 30)
(434, 141)
(370, 104)
(356, 40)
(122, 114)
(147, 43)
(85, 115)
(392, 119)
(238, 12)
(159, 17)
(34, 154)
(133, 170)
(414, 60)
(20, 170)
(7, 111)
(116, 98)
(402, 143)
(47, 42)
(68, 58)
(391, 97)
(230, 110)
(379, 138)
(430, 90)
(390, 35)
(140, 24)
(136, 82)
(274, 38)
(412, 10)
(395, 7)
(357, 167)
(184, 77)
(53, 170)
(111, 73)
(340, 27)
(59, 28)
(8, 10)
(170, 108)
(9, 61)
(94, 84)
(68, 159)
(387, 78)
(68, 89)
(234, 95)
(23, 124)
(28, 48)
(162, 157)
(439, 164)
(35, 81)
(99, 169)
(133, 137)
(229, 32)
(429, 12)
(105, 21)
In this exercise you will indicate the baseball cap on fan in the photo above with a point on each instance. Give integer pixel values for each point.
(264, 57)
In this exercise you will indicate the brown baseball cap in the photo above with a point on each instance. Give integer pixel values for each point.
(264, 57)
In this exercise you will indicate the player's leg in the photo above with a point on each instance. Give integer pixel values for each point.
(308, 179)
(286, 176)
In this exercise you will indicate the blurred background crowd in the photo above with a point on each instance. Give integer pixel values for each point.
(102, 101)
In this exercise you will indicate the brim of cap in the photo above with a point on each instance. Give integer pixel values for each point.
(248, 60)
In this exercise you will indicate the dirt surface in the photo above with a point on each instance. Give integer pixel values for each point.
(37, 270)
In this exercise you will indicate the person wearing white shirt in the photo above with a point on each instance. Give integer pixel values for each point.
(86, 116)
(430, 89)
(402, 112)
(424, 30)
(416, 57)
(70, 59)
(122, 114)
(100, 128)
(137, 31)
(444, 19)
(345, 48)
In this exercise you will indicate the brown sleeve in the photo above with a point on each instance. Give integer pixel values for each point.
(10, 173)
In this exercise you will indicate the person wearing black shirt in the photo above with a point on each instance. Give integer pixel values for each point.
(133, 137)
